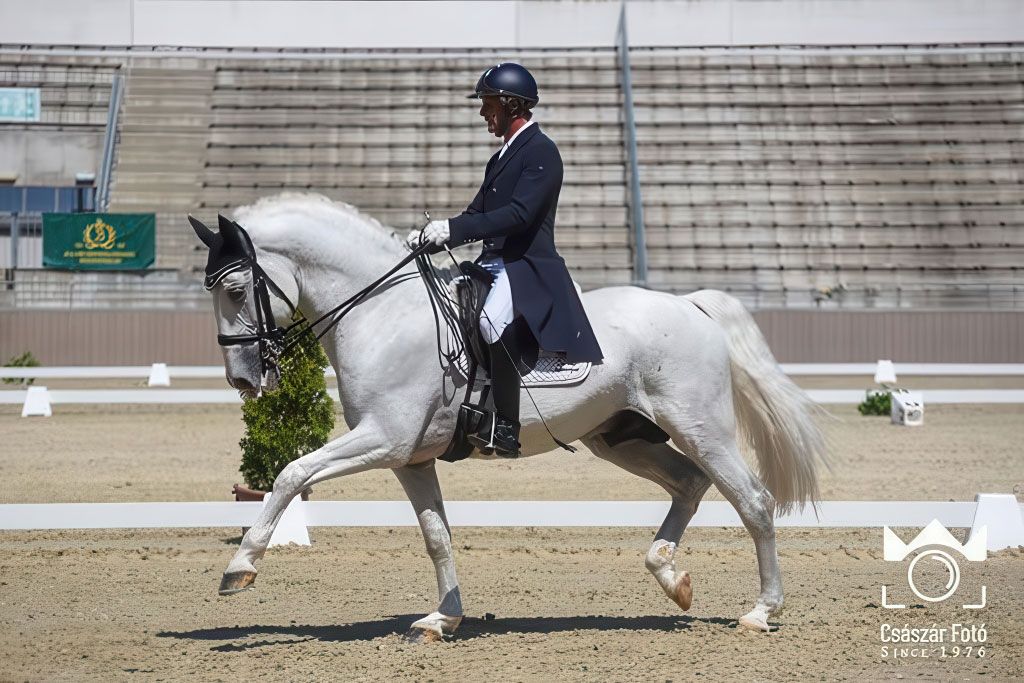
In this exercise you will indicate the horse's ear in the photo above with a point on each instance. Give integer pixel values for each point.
(207, 236)
(233, 240)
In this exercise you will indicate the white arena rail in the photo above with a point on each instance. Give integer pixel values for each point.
(794, 369)
(1000, 513)
(911, 369)
(230, 396)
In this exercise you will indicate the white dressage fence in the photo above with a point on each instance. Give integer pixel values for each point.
(793, 369)
(37, 400)
(1001, 515)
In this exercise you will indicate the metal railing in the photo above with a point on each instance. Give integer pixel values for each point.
(636, 204)
(157, 289)
(109, 139)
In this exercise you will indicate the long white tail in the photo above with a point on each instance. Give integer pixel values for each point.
(774, 414)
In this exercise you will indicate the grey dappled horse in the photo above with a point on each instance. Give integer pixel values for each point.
(696, 366)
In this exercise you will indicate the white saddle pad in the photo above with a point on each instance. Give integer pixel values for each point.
(552, 371)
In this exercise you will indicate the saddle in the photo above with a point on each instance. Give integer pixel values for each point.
(549, 370)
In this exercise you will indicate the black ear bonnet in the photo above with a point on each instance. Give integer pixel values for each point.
(230, 249)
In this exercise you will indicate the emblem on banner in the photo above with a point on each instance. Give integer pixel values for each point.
(99, 235)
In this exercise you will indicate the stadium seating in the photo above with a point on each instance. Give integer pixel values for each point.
(886, 179)
(393, 137)
(873, 178)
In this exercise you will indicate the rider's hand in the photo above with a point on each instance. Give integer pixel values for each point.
(436, 232)
(413, 239)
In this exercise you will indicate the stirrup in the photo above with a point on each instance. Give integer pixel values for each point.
(498, 435)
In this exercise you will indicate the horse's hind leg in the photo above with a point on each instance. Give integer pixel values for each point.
(686, 483)
(712, 444)
(359, 450)
(424, 492)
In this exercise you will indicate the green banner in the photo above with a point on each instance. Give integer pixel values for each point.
(99, 241)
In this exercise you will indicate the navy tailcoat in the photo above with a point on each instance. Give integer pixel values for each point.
(514, 215)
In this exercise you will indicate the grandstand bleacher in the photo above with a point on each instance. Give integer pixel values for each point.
(853, 179)
(881, 179)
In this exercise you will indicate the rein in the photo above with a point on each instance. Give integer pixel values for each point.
(276, 341)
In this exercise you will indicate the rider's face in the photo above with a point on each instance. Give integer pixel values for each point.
(494, 114)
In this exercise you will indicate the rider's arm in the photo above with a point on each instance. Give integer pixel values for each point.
(532, 196)
(477, 205)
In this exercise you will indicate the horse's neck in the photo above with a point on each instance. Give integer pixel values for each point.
(329, 272)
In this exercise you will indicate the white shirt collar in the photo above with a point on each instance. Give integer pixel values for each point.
(513, 138)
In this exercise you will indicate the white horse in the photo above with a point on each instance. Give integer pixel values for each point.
(693, 365)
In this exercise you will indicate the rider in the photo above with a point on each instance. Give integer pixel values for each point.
(532, 303)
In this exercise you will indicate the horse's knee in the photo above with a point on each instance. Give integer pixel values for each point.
(436, 536)
(291, 478)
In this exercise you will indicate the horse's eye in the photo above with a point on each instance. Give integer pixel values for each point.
(236, 295)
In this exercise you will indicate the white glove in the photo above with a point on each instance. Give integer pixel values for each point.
(413, 239)
(437, 232)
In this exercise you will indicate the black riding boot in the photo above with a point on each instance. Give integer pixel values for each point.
(500, 434)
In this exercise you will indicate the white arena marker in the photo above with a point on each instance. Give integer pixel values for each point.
(37, 402)
(1000, 513)
(907, 408)
(292, 527)
(158, 375)
(885, 372)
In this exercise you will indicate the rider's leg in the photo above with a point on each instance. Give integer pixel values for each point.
(501, 433)
(505, 390)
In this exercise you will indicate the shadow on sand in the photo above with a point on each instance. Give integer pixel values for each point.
(472, 627)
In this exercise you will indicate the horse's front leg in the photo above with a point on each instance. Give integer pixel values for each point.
(420, 484)
(363, 448)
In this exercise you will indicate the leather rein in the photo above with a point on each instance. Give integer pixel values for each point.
(275, 341)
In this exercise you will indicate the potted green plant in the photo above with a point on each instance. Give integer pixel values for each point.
(25, 360)
(285, 424)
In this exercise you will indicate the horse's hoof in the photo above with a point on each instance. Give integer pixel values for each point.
(236, 582)
(755, 620)
(683, 593)
(417, 636)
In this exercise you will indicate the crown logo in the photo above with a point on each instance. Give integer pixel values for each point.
(895, 550)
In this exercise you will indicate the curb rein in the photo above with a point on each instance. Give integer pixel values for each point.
(275, 341)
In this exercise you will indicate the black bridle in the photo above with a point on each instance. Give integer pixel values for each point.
(276, 342)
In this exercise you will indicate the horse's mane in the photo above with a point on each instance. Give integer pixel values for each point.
(316, 206)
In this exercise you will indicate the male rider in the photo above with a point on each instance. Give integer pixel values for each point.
(532, 303)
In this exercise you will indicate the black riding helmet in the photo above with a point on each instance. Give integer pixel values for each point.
(508, 80)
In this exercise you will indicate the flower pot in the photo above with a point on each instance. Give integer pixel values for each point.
(244, 494)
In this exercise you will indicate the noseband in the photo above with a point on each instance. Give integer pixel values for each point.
(266, 333)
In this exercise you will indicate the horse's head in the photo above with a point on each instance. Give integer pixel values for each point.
(244, 321)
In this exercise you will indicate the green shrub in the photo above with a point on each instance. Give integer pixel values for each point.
(295, 419)
(25, 360)
(876, 402)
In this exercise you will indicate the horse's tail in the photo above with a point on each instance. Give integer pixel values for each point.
(775, 415)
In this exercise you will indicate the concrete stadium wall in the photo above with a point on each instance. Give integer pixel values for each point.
(511, 24)
(188, 338)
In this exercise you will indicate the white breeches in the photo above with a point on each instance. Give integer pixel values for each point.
(497, 313)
